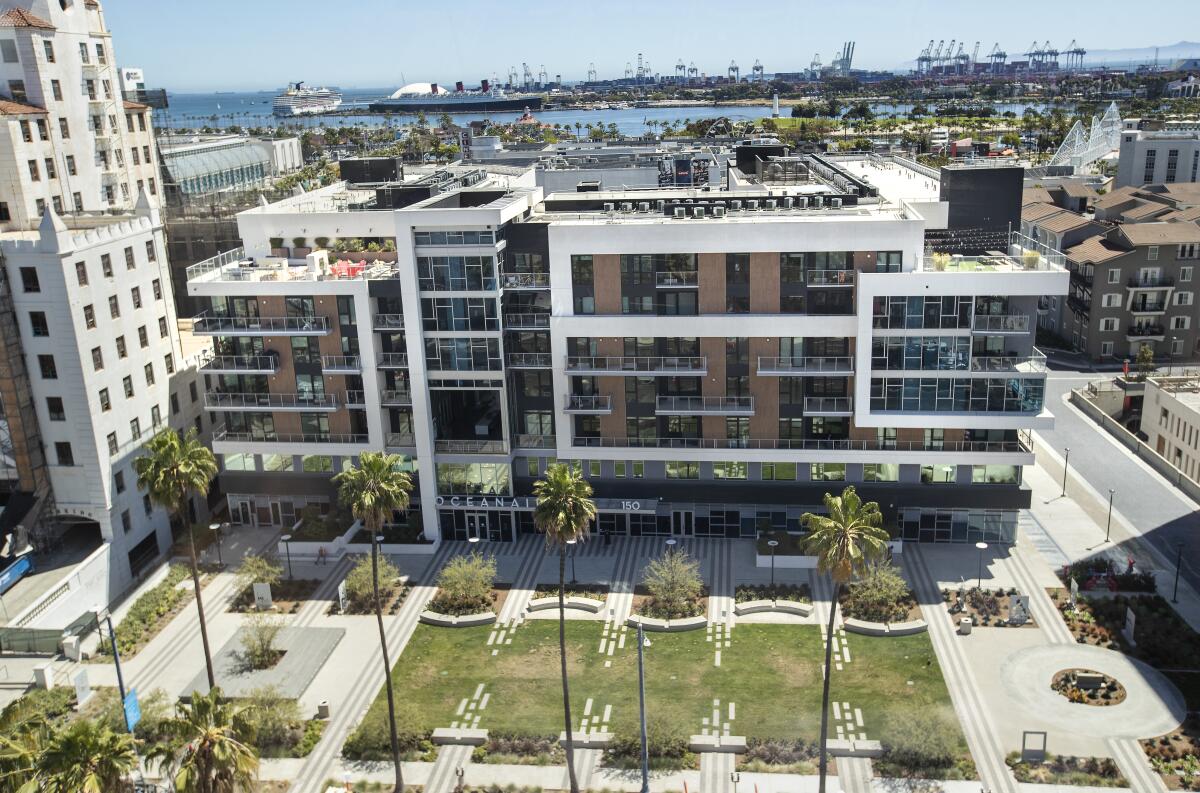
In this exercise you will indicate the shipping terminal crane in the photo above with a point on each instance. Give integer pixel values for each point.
(591, 74)
(924, 59)
(734, 72)
(680, 71)
(997, 57)
(542, 76)
(527, 76)
(693, 73)
(757, 71)
(814, 68)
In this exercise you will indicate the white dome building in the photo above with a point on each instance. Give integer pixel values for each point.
(419, 89)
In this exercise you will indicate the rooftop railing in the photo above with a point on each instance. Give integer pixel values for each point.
(1024, 254)
(222, 434)
(801, 444)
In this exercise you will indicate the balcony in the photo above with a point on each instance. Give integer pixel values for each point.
(241, 364)
(637, 365)
(341, 364)
(399, 440)
(526, 321)
(524, 280)
(528, 360)
(470, 447)
(687, 279)
(204, 325)
(356, 400)
(998, 325)
(1150, 282)
(703, 406)
(1078, 304)
(234, 266)
(1148, 307)
(1009, 363)
(801, 365)
(819, 278)
(388, 322)
(828, 406)
(1085, 274)
(588, 405)
(221, 434)
(393, 360)
(803, 444)
(1145, 333)
(396, 397)
(525, 441)
(1024, 255)
(216, 400)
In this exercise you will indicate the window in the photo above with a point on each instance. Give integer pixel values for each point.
(619, 469)
(594, 469)
(1185, 274)
(50, 172)
(16, 89)
(1152, 253)
(106, 265)
(995, 474)
(34, 172)
(54, 407)
(105, 404)
(639, 469)
(119, 481)
(29, 280)
(46, 364)
(62, 450)
(147, 505)
(169, 363)
(37, 323)
(135, 428)
(56, 90)
(156, 286)
(828, 472)
(127, 384)
(1176, 347)
(149, 370)
(121, 351)
(175, 407)
(129, 261)
(126, 521)
(26, 131)
(43, 130)
(1180, 323)
(582, 271)
(97, 359)
(1111, 300)
(155, 416)
(136, 294)
(683, 470)
(64, 128)
(729, 470)
(1106, 348)
(162, 327)
(1189, 250)
(143, 339)
(114, 306)
(1183, 298)
(1108, 324)
(8, 51)
(779, 472)
(77, 199)
(192, 392)
(940, 474)
(4, 213)
(881, 472)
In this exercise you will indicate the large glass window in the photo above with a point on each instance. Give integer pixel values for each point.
(454, 238)
(456, 273)
(779, 472)
(939, 474)
(682, 470)
(996, 474)
(582, 271)
(881, 472)
(729, 470)
(828, 472)
(465, 479)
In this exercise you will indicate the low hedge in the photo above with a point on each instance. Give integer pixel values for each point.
(147, 612)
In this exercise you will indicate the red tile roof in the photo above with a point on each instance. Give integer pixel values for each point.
(135, 105)
(20, 18)
(11, 108)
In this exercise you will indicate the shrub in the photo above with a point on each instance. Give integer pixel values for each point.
(299, 241)
(53, 704)
(147, 612)
(673, 581)
(257, 570)
(465, 585)
(371, 740)
(155, 707)
(359, 591)
(322, 242)
(666, 743)
(315, 527)
(882, 595)
(921, 740)
(276, 242)
(258, 642)
(269, 720)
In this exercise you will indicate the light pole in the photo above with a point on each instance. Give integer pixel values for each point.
(773, 544)
(287, 549)
(671, 543)
(216, 528)
(982, 546)
(1108, 528)
(1178, 562)
(1066, 463)
(573, 542)
(112, 637)
(641, 640)
(735, 777)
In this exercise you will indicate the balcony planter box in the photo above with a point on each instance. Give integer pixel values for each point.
(729, 744)
(884, 628)
(281, 253)
(300, 253)
(369, 256)
(583, 604)
(461, 736)
(773, 606)
(668, 626)
(465, 621)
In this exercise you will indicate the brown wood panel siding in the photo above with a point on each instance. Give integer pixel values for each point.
(607, 274)
(613, 425)
(764, 283)
(862, 433)
(713, 348)
(765, 390)
(711, 278)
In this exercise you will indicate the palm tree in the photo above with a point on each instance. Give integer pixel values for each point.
(845, 541)
(86, 757)
(564, 513)
(373, 491)
(173, 468)
(23, 734)
(201, 749)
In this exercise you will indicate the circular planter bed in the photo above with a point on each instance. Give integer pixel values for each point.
(1086, 687)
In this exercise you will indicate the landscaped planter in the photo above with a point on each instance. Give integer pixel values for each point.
(773, 606)
(340, 546)
(583, 604)
(884, 628)
(843, 748)
(730, 744)
(280, 252)
(368, 256)
(669, 626)
(451, 621)
(461, 736)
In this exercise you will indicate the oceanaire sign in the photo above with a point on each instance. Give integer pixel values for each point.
(487, 502)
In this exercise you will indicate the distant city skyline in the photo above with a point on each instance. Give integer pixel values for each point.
(261, 45)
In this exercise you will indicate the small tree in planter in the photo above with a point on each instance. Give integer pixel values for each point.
(465, 585)
(675, 586)
(299, 242)
(276, 243)
(256, 570)
(258, 642)
(322, 242)
(359, 583)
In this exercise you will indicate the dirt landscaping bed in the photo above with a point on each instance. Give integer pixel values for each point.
(287, 597)
(986, 608)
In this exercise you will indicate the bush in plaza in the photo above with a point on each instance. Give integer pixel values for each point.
(258, 642)
(920, 740)
(882, 595)
(372, 742)
(359, 592)
(146, 612)
(257, 570)
(675, 587)
(465, 585)
(666, 743)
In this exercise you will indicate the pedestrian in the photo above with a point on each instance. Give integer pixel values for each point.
(1129, 567)
(321, 555)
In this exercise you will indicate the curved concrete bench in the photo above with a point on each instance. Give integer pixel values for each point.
(583, 604)
(884, 628)
(465, 621)
(777, 606)
(671, 626)
(730, 744)
(463, 736)
(588, 740)
(843, 748)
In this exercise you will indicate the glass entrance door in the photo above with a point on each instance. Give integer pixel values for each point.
(477, 525)
(683, 522)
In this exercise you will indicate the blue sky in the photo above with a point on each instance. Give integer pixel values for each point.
(262, 44)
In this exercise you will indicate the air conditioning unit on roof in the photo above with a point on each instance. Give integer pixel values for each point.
(680, 213)
(718, 212)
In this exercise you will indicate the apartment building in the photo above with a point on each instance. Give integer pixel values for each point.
(1162, 156)
(1171, 421)
(715, 360)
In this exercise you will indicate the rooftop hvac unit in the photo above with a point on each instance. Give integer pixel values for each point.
(752, 204)
(643, 206)
(661, 204)
(802, 202)
(788, 202)
(608, 207)
(698, 212)
(680, 213)
(836, 203)
(718, 212)
(735, 204)
(770, 203)
(626, 206)
(816, 201)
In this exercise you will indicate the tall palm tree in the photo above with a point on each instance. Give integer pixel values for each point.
(24, 732)
(86, 757)
(373, 491)
(564, 513)
(173, 467)
(201, 750)
(844, 541)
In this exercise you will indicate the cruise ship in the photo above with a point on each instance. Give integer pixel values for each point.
(299, 100)
(433, 98)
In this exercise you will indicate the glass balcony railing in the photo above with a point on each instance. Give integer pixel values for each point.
(590, 404)
(1006, 323)
(637, 364)
(797, 365)
(704, 405)
(218, 400)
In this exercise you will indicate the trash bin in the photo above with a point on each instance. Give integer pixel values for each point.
(964, 626)
(323, 709)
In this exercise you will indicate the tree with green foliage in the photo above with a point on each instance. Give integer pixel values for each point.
(465, 585)
(84, 757)
(845, 540)
(201, 750)
(360, 582)
(564, 514)
(674, 583)
(173, 468)
(256, 569)
(1145, 361)
(375, 490)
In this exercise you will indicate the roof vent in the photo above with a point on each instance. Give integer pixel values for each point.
(836, 203)
(735, 204)
(788, 202)
(802, 202)
(662, 204)
(643, 206)
(608, 207)
(626, 206)
(816, 201)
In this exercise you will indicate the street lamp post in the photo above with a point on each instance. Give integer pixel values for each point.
(216, 528)
(287, 548)
(1178, 563)
(641, 640)
(773, 544)
(1066, 463)
(1108, 527)
(112, 637)
(573, 542)
(982, 546)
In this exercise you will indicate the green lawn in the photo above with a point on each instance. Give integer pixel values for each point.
(771, 672)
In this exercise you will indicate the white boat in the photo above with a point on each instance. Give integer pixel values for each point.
(300, 100)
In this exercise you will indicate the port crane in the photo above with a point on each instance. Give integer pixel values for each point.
(815, 67)
(974, 58)
(512, 77)
(1074, 56)
(628, 71)
(542, 77)
(997, 57)
(693, 73)
(734, 72)
(924, 59)
(757, 70)
(526, 75)
(591, 74)
(680, 71)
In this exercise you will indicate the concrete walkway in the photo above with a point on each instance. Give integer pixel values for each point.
(451, 761)
(716, 769)
(855, 774)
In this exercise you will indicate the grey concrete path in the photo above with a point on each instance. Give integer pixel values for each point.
(855, 774)
(586, 763)
(1134, 765)
(715, 771)
(1045, 613)
(960, 680)
(531, 552)
(721, 581)
(450, 761)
